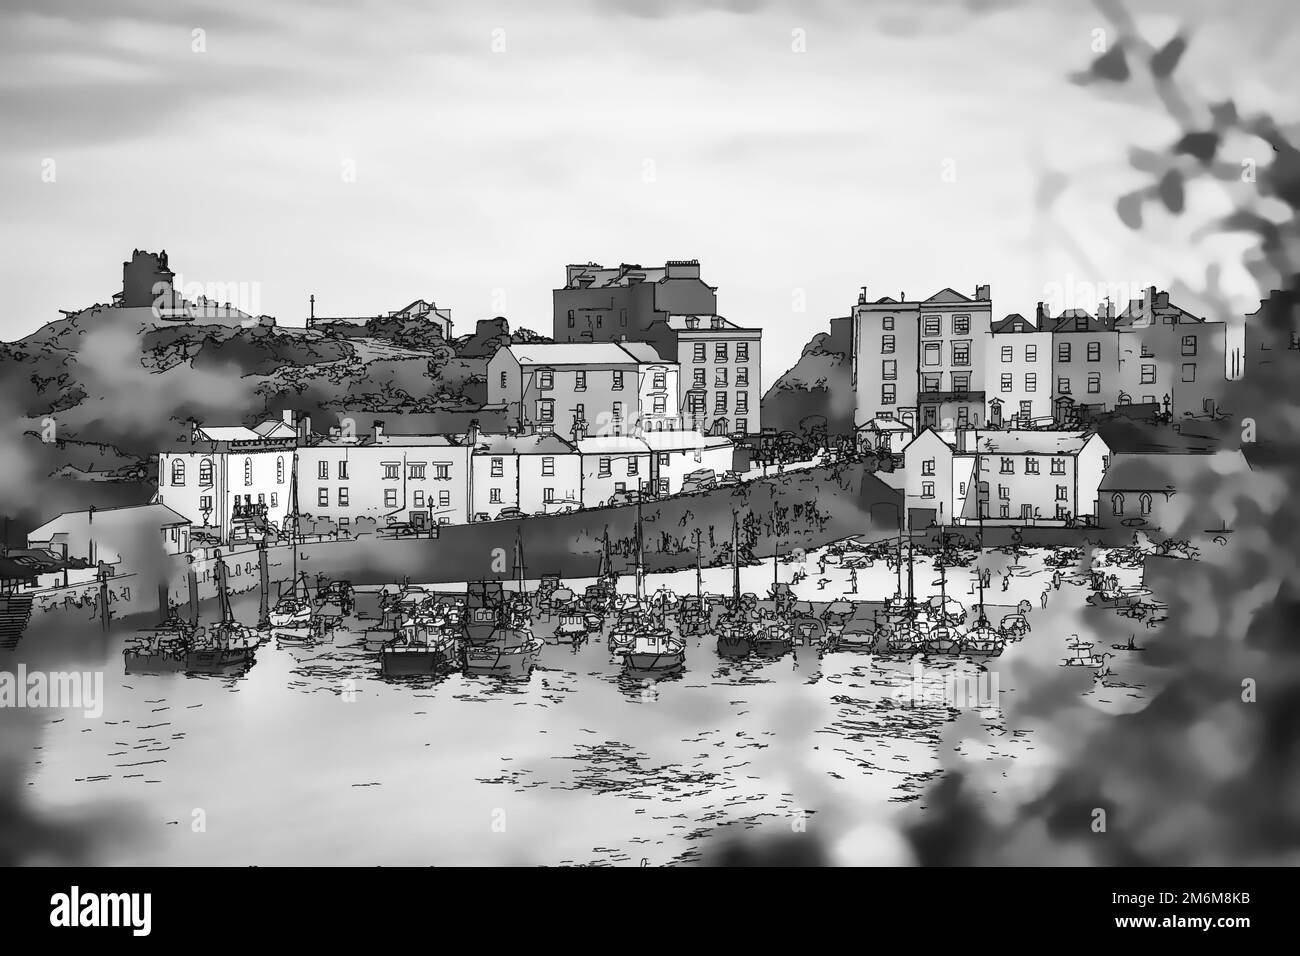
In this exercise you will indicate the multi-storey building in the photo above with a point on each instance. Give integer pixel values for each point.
(1010, 477)
(1170, 357)
(627, 302)
(537, 474)
(1085, 362)
(719, 391)
(612, 464)
(1017, 373)
(575, 389)
(921, 362)
(674, 455)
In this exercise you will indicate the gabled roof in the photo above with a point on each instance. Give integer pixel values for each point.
(1013, 324)
(683, 440)
(612, 444)
(148, 516)
(1017, 441)
(1080, 320)
(1168, 472)
(522, 445)
(947, 295)
(570, 353)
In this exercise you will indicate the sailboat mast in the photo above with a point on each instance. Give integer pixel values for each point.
(640, 571)
(519, 562)
(699, 570)
(223, 598)
(735, 560)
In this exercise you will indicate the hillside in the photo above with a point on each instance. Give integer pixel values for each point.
(819, 386)
(87, 399)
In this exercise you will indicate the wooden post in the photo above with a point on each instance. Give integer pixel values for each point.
(103, 595)
(192, 579)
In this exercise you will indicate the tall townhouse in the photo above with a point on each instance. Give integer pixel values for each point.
(598, 304)
(1170, 357)
(1018, 373)
(227, 475)
(719, 391)
(1023, 476)
(921, 362)
(582, 389)
(1085, 362)
(538, 474)
(613, 464)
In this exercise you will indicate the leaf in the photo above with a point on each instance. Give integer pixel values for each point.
(1164, 61)
(1111, 65)
(1171, 190)
(1201, 145)
(1129, 208)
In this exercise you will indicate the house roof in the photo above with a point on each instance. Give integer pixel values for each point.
(883, 425)
(571, 353)
(228, 433)
(644, 353)
(1013, 323)
(154, 515)
(522, 445)
(612, 444)
(1080, 320)
(1167, 472)
(1019, 441)
(683, 440)
(947, 295)
(626, 274)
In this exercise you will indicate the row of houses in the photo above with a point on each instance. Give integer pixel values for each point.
(1051, 478)
(228, 478)
(943, 362)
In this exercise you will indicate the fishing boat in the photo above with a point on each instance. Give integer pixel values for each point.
(907, 625)
(571, 628)
(982, 639)
(293, 610)
(737, 627)
(654, 649)
(511, 649)
(634, 614)
(774, 635)
(483, 602)
(421, 648)
(1083, 655)
(1014, 626)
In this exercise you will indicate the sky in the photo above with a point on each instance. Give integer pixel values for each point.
(372, 153)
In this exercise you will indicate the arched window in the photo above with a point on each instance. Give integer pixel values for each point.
(178, 471)
(1145, 504)
(1117, 504)
(248, 471)
(279, 470)
(205, 472)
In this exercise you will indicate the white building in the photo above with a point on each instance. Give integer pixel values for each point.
(610, 464)
(1008, 477)
(537, 474)
(1018, 373)
(676, 454)
(134, 535)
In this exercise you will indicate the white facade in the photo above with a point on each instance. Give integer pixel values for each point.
(538, 474)
(611, 464)
(677, 454)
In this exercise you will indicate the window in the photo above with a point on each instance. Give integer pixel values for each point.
(961, 381)
(742, 376)
(391, 470)
(442, 472)
(699, 355)
(720, 403)
(1026, 410)
(344, 523)
(275, 499)
(927, 467)
(548, 495)
(322, 469)
(960, 353)
(1008, 353)
(1146, 351)
(503, 374)
(742, 351)
(1031, 466)
(415, 471)
(1117, 504)
(886, 345)
(661, 405)
(720, 378)
(205, 472)
(205, 503)
(343, 471)
(178, 471)
(887, 323)
(961, 325)
(931, 382)
(887, 393)
(570, 325)
(1031, 382)
(1005, 382)
(548, 465)
(632, 464)
(699, 379)
(616, 411)
(546, 411)
(1004, 491)
(1189, 372)
(545, 378)
(661, 380)
(1094, 383)
(579, 381)
(720, 352)
(1063, 385)
(1058, 466)
(932, 354)
(963, 416)
(604, 468)
(1094, 351)
(494, 496)
(622, 316)
(618, 381)
(1062, 493)
(663, 459)
(343, 496)
(1008, 466)
(323, 497)
(248, 472)
(279, 470)
(931, 325)
(1004, 511)
(961, 488)
(444, 499)
(742, 426)
(390, 497)
(1189, 345)
(498, 468)
(1063, 352)
(889, 369)
(419, 499)
(1031, 353)
(1081, 323)
(1148, 374)
(927, 489)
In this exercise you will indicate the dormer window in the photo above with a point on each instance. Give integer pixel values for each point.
(1081, 323)
(692, 321)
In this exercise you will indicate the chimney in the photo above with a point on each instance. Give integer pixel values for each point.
(982, 293)
(304, 429)
(471, 436)
(286, 416)
(963, 440)
(378, 428)
(1040, 315)
(579, 429)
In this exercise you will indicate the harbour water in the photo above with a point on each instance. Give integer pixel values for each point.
(311, 757)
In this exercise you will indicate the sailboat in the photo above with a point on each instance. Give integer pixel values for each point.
(161, 649)
(693, 616)
(736, 629)
(227, 645)
(774, 635)
(511, 650)
(427, 643)
(942, 636)
(294, 610)
(653, 648)
(1083, 655)
(630, 609)
(982, 639)
(906, 635)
